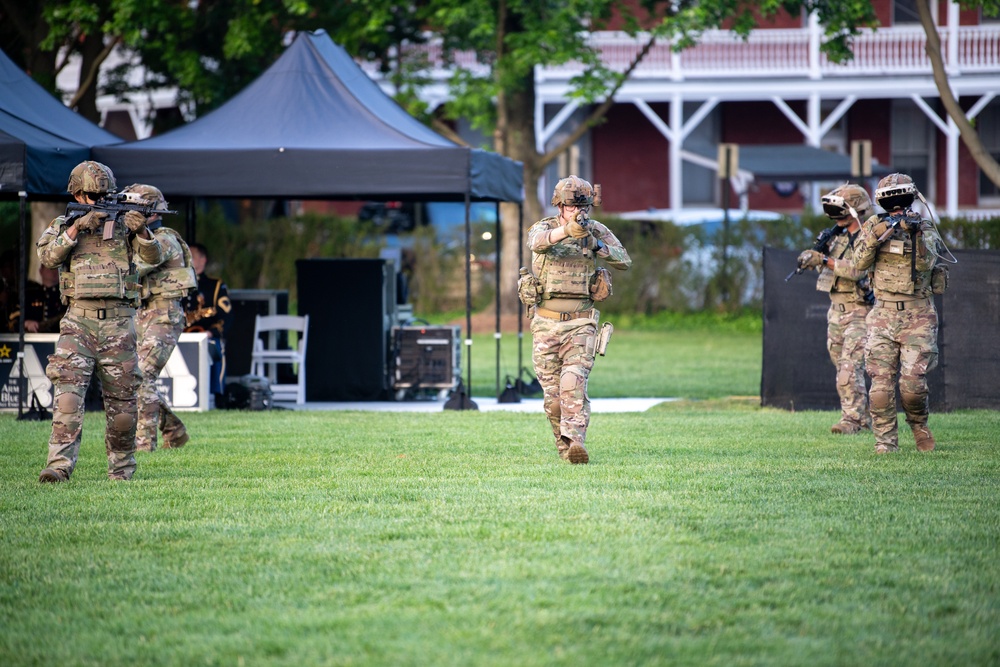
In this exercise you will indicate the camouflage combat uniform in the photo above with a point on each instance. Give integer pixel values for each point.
(903, 325)
(846, 331)
(158, 326)
(98, 279)
(564, 322)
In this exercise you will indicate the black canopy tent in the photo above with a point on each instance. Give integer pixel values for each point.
(41, 140)
(315, 126)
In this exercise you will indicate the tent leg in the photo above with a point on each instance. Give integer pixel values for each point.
(460, 399)
(36, 412)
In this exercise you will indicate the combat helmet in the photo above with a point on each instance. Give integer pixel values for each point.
(149, 194)
(847, 200)
(92, 177)
(895, 192)
(573, 191)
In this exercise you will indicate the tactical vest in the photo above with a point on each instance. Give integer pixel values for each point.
(101, 268)
(900, 270)
(175, 278)
(567, 271)
(828, 281)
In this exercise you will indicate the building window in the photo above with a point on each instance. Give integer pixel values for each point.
(988, 124)
(912, 141)
(905, 11)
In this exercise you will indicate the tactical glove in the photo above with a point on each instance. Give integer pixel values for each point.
(879, 228)
(88, 222)
(576, 230)
(135, 221)
(810, 258)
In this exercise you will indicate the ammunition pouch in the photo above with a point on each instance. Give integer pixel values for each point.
(600, 286)
(939, 279)
(529, 289)
(104, 281)
(893, 271)
(171, 283)
(568, 278)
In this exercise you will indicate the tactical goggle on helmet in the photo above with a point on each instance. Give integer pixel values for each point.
(837, 207)
(895, 191)
(573, 191)
(149, 194)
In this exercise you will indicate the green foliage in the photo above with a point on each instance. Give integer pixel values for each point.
(962, 233)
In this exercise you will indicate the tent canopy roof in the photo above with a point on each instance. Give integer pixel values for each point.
(314, 126)
(41, 140)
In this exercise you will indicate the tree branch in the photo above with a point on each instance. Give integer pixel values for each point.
(94, 69)
(968, 133)
(598, 113)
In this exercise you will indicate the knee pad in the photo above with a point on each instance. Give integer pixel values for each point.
(572, 379)
(123, 422)
(845, 376)
(68, 403)
(914, 404)
(881, 400)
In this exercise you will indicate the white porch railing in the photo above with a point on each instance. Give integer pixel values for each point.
(773, 53)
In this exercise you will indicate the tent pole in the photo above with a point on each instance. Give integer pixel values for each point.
(22, 287)
(460, 400)
(497, 299)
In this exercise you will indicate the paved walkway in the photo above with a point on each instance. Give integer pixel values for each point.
(597, 405)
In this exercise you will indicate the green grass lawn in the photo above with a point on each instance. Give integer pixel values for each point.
(704, 532)
(686, 363)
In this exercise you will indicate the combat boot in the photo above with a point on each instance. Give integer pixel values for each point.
(176, 441)
(577, 453)
(923, 437)
(886, 449)
(53, 476)
(847, 427)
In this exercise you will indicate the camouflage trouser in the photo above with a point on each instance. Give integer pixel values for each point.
(563, 354)
(157, 328)
(903, 341)
(845, 341)
(85, 345)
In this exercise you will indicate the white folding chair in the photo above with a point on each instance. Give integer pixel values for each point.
(265, 359)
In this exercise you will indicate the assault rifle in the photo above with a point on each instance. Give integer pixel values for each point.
(822, 245)
(114, 205)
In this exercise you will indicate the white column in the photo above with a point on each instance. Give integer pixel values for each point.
(676, 144)
(815, 39)
(952, 65)
(952, 177)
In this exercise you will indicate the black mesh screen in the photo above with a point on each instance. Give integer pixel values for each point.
(969, 339)
(797, 373)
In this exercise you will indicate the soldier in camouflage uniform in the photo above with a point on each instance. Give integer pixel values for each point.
(159, 324)
(901, 250)
(565, 250)
(97, 277)
(849, 293)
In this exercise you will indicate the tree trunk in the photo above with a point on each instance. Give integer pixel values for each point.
(968, 133)
(517, 127)
(91, 54)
